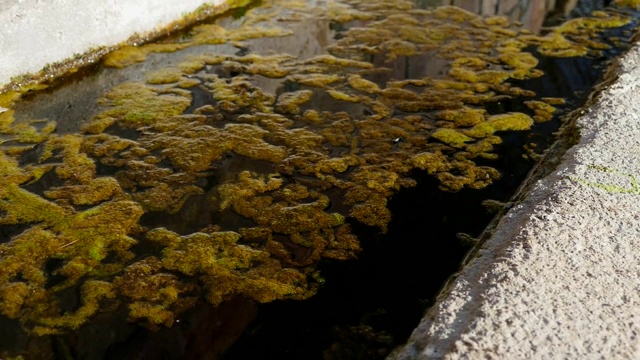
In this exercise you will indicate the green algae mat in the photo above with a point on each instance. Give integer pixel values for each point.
(230, 160)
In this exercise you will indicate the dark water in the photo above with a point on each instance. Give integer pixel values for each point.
(368, 305)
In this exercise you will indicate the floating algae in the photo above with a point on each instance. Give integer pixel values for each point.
(280, 176)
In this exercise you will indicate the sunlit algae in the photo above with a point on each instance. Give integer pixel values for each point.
(83, 229)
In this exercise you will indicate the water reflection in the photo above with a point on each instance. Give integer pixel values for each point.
(533, 14)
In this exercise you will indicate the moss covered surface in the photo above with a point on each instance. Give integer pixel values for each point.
(273, 178)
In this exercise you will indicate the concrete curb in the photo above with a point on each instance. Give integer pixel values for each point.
(560, 278)
(35, 33)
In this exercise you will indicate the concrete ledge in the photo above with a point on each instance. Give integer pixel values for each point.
(35, 33)
(560, 278)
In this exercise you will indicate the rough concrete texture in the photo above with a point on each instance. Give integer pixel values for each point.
(560, 278)
(34, 33)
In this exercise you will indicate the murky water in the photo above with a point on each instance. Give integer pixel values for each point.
(288, 183)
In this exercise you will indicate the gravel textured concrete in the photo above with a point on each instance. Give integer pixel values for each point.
(560, 277)
(34, 33)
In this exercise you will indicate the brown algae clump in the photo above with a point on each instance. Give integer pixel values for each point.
(258, 184)
(205, 34)
(361, 84)
(510, 122)
(164, 76)
(463, 117)
(543, 110)
(129, 55)
(160, 297)
(134, 104)
(451, 137)
(227, 268)
(25, 133)
(578, 37)
(628, 3)
(289, 103)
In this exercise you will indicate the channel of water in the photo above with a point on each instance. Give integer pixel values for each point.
(350, 191)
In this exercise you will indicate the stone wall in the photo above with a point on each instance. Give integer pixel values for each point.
(34, 33)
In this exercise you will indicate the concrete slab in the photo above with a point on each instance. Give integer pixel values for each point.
(560, 278)
(34, 33)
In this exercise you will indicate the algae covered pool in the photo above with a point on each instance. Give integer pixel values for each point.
(285, 181)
